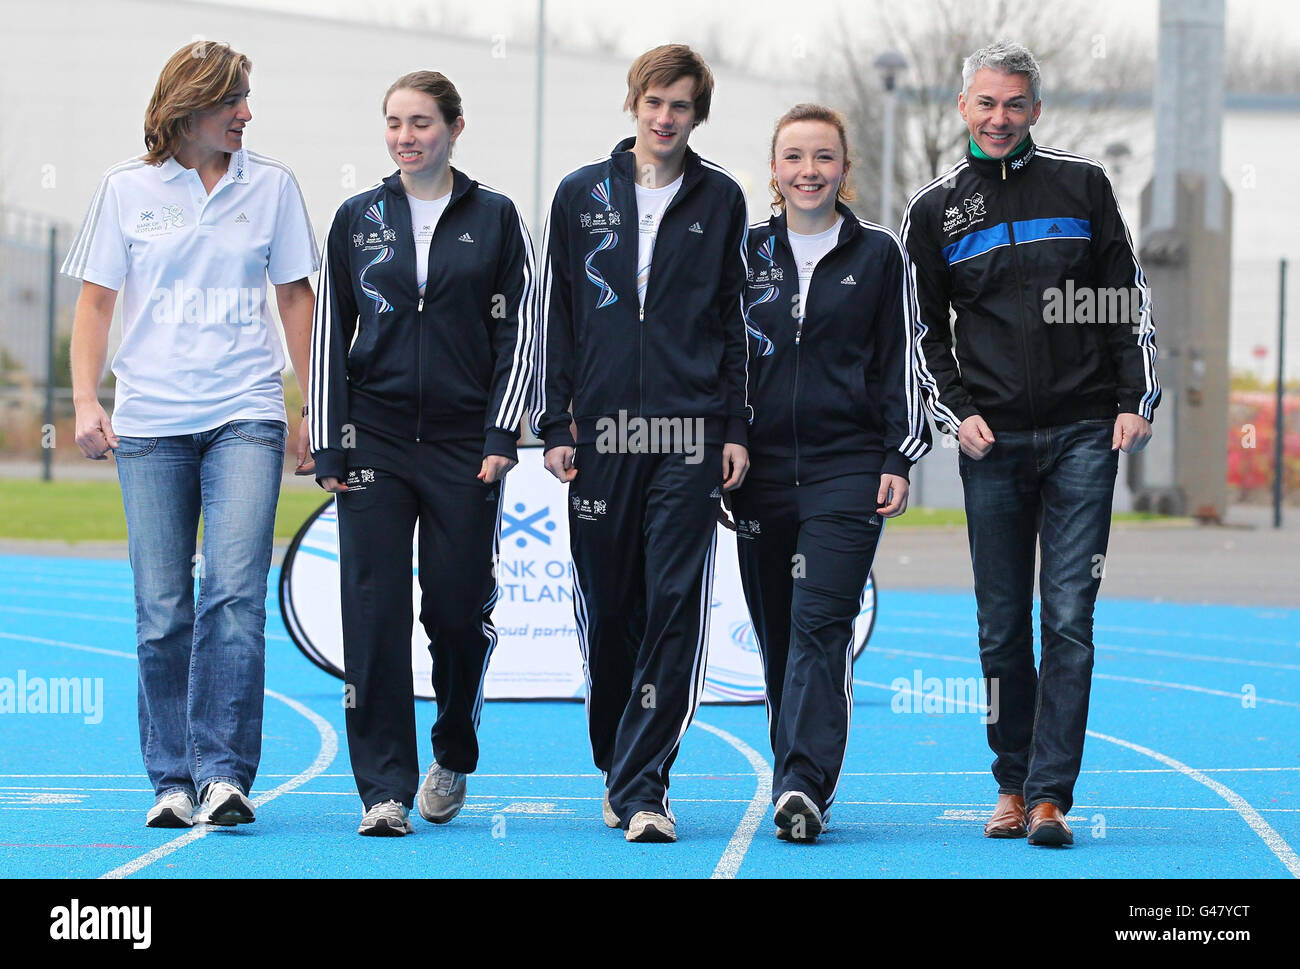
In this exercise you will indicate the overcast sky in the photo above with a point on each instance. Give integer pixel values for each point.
(764, 26)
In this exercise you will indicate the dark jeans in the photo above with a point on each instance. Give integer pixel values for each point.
(1056, 485)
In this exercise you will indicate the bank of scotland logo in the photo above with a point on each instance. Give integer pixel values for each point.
(530, 526)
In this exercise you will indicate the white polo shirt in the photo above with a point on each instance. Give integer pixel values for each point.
(198, 345)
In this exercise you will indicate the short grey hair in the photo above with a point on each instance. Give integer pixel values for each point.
(1007, 58)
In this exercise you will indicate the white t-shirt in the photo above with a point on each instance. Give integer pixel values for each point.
(425, 214)
(808, 252)
(650, 205)
(198, 345)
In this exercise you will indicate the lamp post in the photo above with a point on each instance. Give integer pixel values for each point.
(890, 64)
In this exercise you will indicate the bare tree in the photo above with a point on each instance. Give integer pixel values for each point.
(1085, 69)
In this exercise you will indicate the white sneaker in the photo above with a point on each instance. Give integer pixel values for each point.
(226, 805)
(797, 817)
(607, 812)
(646, 827)
(442, 794)
(388, 819)
(175, 809)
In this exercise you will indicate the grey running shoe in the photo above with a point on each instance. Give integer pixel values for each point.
(175, 809)
(797, 817)
(442, 794)
(607, 812)
(646, 827)
(226, 805)
(388, 819)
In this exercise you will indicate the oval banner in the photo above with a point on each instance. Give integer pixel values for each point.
(536, 656)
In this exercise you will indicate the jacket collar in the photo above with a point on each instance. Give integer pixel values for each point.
(461, 184)
(1003, 168)
(623, 163)
(848, 229)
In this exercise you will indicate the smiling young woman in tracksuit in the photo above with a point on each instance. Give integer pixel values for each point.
(837, 426)
(421, 364)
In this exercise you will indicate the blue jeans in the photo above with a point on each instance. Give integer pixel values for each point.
(201, 665)
(1052, 487)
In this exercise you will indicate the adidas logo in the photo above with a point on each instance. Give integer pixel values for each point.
(241, 217)
(716, 492)
(1055, 230)
(696, 229)
(848, 281)
(466, 238)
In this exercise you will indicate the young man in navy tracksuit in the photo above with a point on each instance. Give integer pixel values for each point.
(838, 424)
(420, 377)
(643, 334)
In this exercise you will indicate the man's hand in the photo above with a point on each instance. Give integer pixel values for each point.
(305, 463)
(1132, 432)
(333, 485)
(94, 433)
(974, 437)
(559, 461)
(495, 467)
(735, 465)
(891, 498)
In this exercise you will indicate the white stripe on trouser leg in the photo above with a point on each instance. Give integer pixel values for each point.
(848, 683)
(488, 629)
(700, 669)
(580, 620)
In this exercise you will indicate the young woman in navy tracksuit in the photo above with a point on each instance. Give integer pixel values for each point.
(421, 364)
(837, 426)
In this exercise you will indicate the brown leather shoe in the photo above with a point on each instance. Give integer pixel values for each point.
(1047, 826)
(1008, 819)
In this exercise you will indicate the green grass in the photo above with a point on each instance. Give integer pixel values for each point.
(91, 511)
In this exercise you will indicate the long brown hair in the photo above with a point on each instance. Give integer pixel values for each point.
(813, 112)
(197, 77)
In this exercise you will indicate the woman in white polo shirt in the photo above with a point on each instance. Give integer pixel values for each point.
(189, 234)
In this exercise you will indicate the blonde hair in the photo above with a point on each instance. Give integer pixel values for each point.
(813, 112)
(665, 65)
(198, 76)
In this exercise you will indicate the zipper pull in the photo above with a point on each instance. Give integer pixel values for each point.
(1004, 170)
(420, 307)
(641, 313)
(798, 334)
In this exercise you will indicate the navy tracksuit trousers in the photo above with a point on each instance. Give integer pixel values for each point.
(642, 530)
(805, 555)
(459, 521)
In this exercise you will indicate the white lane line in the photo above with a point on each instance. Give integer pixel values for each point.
(60, 614)
(58, 642)
(1199, 657)
(972, 636)
(1275, 842)
(1096, 676)
(734, 854)
(1195, 689)
(329, 748)
(1137, 630)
